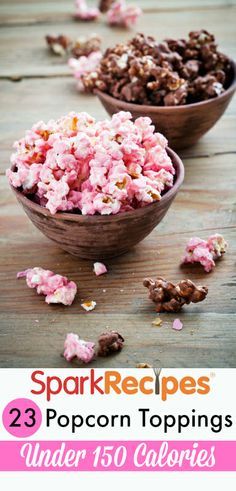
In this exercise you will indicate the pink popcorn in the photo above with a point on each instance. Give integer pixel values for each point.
(83, 65)
(205, 251)
(56, 288)
(93, 167)
(99, 268)
(177, 325)
(83, 12)
(217, 245)
(122, 15)
(75, 347)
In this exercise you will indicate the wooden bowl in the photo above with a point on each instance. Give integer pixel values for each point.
(99, 236)
(181, 125)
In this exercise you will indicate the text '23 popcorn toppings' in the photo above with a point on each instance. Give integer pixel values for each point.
(80, 165)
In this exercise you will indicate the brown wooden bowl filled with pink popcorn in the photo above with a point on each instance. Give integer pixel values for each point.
(96, 188)
(183, 85)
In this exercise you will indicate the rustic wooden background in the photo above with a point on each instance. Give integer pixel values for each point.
(35, 85)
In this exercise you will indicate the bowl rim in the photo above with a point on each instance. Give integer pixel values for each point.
(179, 167)
(152, 109)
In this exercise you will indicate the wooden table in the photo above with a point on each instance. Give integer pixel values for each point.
(35, 85)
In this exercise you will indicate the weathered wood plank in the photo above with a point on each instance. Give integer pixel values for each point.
(23, 50)
(44, 11)
(19, 99)
(207, 340)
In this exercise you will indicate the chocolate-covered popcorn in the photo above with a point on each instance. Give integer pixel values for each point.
(171, 298)
(170, 73)
(109, 342)
(85, 46)
(59, 45)
(104, 5)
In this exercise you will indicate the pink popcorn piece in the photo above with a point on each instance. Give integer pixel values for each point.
(78, 164)
(177, 325)
(56, 288)
(123, 15)
(74, 347)
(205, 251)
(197, 251)
(217, 245)
(99, 268)
(83, 12)
(84, 65)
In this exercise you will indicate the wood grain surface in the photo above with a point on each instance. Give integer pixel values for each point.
(36, 85)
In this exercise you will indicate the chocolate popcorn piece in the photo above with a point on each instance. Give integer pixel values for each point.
(59, 45)
(109, 342)
(190, 69)
(84, 46)
(171, 298)
(104, 5)
(176, 97)
(207, 87)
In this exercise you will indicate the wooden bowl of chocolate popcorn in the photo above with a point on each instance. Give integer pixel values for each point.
(184, 86)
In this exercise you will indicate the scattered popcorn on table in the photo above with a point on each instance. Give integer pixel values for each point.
(171, 298)
(123, 15)
(143, 365)
(104, 5)
(56, 288)
(89, 305)
(75, 347)
(177, 325)
(109, 342)
(83, 66)
(83, 46)
(157, 322)
(59, 45)
(80, 165)
(99, 268)
(205, 252)
(217, 245)
(83, 12)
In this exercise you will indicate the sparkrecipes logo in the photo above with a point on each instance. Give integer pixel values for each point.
(116, 382)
